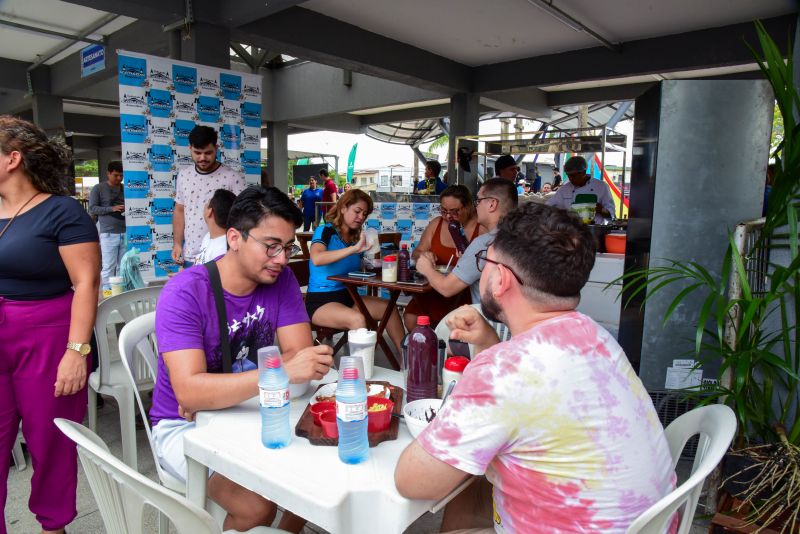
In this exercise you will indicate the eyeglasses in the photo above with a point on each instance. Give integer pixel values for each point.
(478, 200)
(274, 249)
(483, 256)
(446, 212)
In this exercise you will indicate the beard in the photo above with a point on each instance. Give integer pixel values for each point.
(490, 307)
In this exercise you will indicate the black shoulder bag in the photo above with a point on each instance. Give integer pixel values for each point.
(219, 300)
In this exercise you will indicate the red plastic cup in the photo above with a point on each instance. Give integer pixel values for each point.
(328, 420)
(379, 421)
(319, 408)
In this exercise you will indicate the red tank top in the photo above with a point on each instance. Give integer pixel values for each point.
(444, 253)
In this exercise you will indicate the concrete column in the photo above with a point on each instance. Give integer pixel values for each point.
(207, 44)
(104, 156)
(175, 39)
(278, 154)
(48, 113)
(464, 120)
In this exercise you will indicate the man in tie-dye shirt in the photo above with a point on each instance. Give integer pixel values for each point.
(555, 417)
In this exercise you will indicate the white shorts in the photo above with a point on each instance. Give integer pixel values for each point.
(168, 439)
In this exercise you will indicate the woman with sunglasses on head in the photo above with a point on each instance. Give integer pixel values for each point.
(336, 249)
(49, 282)
(455, 205)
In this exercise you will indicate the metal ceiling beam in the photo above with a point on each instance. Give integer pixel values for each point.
(549, 7)
(303, 33)
(91, 124)
(88, 30)
(45, 31)
(711, 47)
(233, 14)
(140, 36)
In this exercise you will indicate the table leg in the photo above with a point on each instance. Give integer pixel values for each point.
(196, 481)
(378, 327)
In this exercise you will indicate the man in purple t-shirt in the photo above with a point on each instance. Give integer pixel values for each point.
(264, 307)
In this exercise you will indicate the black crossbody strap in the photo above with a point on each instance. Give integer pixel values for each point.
(219, 300)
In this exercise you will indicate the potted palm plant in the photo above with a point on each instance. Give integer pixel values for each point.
(747, 323)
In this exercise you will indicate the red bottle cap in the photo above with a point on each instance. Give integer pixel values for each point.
(390, 258)
(423, 320)
(403, 246)
(272, 362)
(350, 374)
(456, 363)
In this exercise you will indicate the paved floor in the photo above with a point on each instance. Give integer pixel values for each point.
(19, 520)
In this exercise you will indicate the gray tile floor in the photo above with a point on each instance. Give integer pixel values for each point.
(19, 520)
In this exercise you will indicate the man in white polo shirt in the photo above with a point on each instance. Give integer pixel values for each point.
(194, 188)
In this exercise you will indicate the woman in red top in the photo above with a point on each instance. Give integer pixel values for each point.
(455, 204)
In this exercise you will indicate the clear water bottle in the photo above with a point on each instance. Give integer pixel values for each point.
(351, 417)
(273, 385)
(403, 260)
(457, 233)
(422, 359)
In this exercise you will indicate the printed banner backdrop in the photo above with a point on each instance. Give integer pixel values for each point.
(160, 101)
(408, 218)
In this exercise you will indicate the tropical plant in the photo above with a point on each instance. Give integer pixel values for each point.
(752, 331)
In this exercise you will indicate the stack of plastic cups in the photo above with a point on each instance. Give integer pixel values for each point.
(351, 411)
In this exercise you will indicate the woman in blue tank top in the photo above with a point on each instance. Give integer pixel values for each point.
(336, 249)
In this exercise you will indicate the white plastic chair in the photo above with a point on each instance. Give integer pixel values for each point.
(137, 349)
(443, 331)
(122, 493)
(109, 378)
(716, 425)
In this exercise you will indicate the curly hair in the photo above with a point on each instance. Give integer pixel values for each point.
(336, 214)
(45, 161)
(549, 248)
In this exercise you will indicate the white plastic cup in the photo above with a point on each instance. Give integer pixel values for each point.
(361, 342)
(117, 285)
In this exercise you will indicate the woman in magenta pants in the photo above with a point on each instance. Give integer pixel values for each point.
(49, 278)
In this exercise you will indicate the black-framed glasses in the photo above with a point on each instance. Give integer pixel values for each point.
(483, 256)
(274, 249)
(445, 212)
(478, 200)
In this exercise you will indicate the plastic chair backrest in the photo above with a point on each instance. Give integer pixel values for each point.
(716, 425)
(129, 305)
(122, 493)
(138, 347)
(443, 331)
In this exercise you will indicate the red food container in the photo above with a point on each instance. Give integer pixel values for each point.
(328, 420)
(319, 408)
(615, 243)
(379, 421)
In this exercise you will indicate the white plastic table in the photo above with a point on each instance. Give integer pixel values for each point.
(309, 480)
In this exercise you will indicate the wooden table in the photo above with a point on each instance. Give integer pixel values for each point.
(352, 284)
(304, 238)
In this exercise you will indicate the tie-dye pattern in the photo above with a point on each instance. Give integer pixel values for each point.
(562, 427)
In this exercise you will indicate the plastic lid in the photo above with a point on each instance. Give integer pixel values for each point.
(390, 258)
(403, 246)
(423, 320)
(272, 362)
(456, 363)
(350, 374)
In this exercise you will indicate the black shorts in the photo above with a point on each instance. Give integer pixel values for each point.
(317, 299)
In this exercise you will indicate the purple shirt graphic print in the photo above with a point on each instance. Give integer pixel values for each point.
(186, 318)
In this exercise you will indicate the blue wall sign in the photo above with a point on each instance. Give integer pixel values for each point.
(93, 59)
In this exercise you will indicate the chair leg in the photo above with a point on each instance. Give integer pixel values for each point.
(18, 455)
(127, 424)
(341, 343)
(92, 410)
(163, 523)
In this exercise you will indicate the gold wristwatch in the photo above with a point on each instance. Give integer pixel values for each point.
(82, 348)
